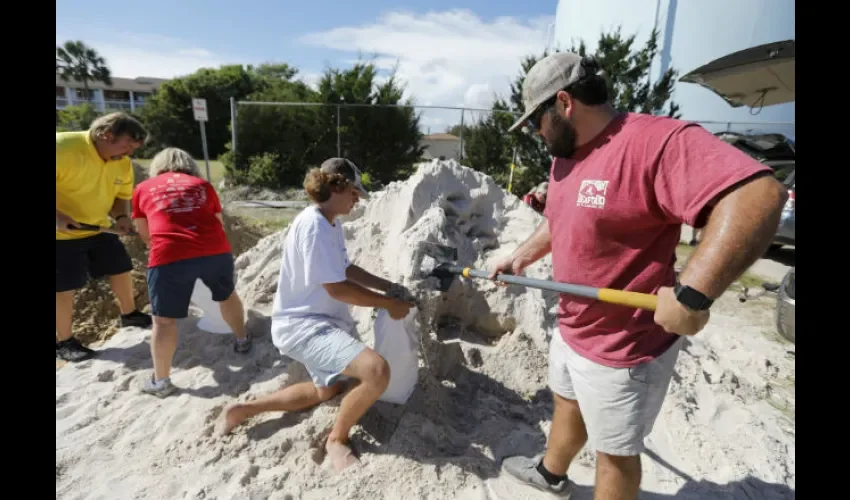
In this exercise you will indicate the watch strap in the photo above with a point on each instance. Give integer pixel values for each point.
(691, 298)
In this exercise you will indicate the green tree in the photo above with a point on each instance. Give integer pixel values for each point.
(487, 144)
(275, 144)
(77, 61)
(380, 137)
(627, 71)
(168, 114)
(274, 72)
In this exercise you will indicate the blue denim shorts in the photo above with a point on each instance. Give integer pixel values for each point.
(170, 286)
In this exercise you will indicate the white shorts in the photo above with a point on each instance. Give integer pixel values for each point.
(619, 405)
(326, 353)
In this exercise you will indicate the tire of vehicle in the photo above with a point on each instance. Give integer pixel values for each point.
(785, 302)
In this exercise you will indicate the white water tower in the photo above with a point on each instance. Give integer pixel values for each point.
(692, 33)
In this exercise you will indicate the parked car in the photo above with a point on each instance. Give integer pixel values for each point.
(757, 77)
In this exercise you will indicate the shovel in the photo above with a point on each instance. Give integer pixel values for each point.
(438, 261)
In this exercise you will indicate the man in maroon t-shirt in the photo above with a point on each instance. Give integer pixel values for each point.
(620, 188)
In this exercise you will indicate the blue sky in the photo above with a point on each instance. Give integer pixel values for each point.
(449, 53)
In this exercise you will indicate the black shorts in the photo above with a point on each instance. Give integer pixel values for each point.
(96, 256)
(170, 286)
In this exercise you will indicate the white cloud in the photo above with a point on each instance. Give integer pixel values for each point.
(450, 58)
(134, 55)
(310, 78)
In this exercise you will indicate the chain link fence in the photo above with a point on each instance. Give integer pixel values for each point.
(445, 128)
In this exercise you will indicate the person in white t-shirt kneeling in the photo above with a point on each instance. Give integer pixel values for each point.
(311, 321)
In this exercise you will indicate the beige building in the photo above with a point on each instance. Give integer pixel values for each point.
(123, 94)
(444, 146)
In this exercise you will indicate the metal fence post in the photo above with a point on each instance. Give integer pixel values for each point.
(461, 134)
(233, 129)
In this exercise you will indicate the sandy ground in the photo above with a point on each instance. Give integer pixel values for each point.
(727, 428)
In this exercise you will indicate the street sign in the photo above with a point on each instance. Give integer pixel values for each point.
(199, 108)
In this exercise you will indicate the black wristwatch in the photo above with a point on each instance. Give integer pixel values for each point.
(691, 298)
(122, 216)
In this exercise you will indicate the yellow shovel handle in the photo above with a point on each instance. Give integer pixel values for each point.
(631, 299)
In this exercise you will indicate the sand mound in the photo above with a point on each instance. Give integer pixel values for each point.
(482, 392)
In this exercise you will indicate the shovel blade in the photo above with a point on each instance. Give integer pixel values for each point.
(428, 256)
(430, 260)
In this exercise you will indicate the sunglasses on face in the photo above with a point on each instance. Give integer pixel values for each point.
(533, 122)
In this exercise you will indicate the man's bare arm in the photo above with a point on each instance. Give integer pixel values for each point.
(363, 277)
(120, 207)
(536, 246)
(356, 295)
(533, 249)
(739, 230)
(143, 230)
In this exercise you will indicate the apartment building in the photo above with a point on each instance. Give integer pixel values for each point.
(124, 93)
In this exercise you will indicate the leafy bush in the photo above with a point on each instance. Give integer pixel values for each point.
(264, 170)
(366, 180)
(76, 117)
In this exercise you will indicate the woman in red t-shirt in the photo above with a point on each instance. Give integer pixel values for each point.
(178, 215)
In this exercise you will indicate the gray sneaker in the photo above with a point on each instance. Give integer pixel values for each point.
(524, 470)
(162, 389)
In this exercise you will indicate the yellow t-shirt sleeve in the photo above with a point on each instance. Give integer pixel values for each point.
(63, 157)
(125, 190)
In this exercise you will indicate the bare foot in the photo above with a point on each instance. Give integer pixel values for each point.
(340, 455)
(230, 417)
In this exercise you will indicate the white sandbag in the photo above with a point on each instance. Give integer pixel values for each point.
(397, 341)
(211, 321)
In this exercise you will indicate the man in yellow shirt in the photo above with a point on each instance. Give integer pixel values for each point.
(94, 185)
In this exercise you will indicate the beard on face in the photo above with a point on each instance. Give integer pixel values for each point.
(563, 143)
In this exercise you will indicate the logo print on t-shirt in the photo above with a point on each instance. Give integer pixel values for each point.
(591, 194)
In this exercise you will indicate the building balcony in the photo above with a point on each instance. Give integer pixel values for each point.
(104, 105)
(119, 105)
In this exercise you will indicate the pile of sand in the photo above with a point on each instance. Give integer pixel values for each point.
(726, 430)
(96, 310)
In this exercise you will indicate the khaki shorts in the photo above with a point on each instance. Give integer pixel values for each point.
(619, 405)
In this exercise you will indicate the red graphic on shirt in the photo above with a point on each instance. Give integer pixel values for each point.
(591, 194)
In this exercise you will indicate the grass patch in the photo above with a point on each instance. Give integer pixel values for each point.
(216, 168)
(268, 220)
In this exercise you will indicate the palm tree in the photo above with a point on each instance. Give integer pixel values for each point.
(77, 61)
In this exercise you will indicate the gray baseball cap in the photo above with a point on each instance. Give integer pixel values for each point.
(549, 75)
(347, 169)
